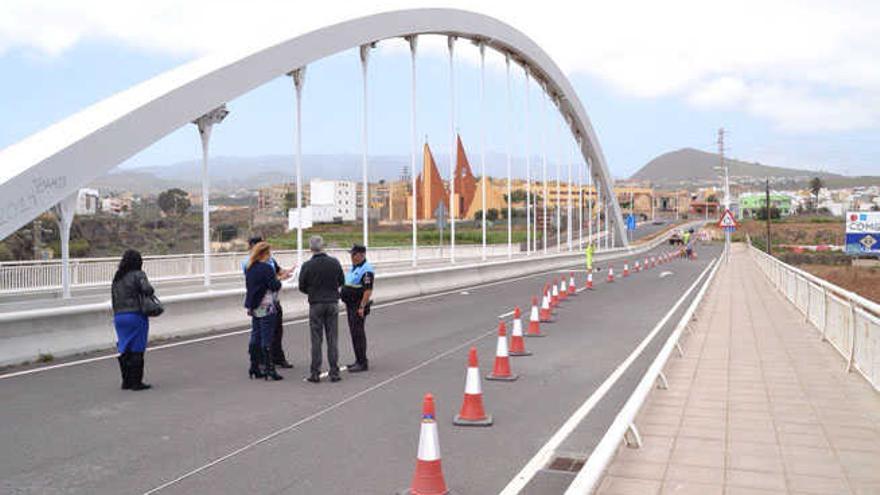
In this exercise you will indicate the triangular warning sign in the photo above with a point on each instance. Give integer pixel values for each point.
(727, 220)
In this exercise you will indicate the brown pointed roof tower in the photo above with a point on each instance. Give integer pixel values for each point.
(430, 190)
(465, 183)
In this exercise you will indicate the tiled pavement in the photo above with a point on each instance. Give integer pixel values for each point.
(758, 405)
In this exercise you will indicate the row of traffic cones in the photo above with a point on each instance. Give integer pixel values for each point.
(428, 478)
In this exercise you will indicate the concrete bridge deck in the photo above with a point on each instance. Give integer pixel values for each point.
(758, 405)
(206, 428)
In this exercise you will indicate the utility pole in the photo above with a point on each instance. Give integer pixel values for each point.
(37, 234)
(726, 188)
(767, 201)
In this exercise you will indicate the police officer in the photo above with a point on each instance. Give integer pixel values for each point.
(356, 295)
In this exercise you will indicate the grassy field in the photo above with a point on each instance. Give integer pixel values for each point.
(861, 280)
(836, 267)
(345, 236)
(796, 230)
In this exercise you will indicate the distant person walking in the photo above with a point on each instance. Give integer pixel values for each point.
(277, 346)
(589, 252)
(356, 295)
(132, 298)
(320, 278)
(260, 300)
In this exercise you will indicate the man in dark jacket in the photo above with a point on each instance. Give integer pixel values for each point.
(320, 278)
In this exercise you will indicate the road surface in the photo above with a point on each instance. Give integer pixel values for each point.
(199, 430)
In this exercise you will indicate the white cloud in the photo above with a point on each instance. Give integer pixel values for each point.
(804, 65)
(723, 92)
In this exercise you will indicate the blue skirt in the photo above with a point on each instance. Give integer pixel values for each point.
(131, 331)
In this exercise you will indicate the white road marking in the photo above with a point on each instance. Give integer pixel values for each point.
(665, 274)
(316, 415)
(464, 293)
(505, 315)
(542, 457)
(325, 374)
(247, 329)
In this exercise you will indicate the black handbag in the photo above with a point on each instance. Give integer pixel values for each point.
(151, 306)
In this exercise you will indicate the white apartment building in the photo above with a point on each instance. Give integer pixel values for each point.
(88, 202)
(332, 200)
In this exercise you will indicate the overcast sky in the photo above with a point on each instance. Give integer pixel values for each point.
(796, 83)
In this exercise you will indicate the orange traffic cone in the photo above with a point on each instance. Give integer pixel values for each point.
(610, 274)
(590, 281)
(563, 289)
(428, 478)
(517, 344)
(571, 287)
(534, 321)
(626, 270)
(638, 267)
(472, 412)
(501, 370)
(554, 295)
(545, 307)
(647, 263)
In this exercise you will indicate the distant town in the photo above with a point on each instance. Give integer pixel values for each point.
(167, 222)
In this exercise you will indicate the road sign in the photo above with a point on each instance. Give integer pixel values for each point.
(296, 216)
(440, 215)
(727, 222)
(631, 222)
(863, 232)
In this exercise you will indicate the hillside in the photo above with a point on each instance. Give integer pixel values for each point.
(689, 164)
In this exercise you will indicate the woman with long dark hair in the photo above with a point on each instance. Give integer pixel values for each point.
(130, 287)
(261, 303)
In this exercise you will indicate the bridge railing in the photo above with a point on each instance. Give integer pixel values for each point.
(848, 321)
(31, 276)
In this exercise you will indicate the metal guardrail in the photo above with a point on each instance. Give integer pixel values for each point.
(591, 473)
(24, 276)
(38, 275)
(846, 320)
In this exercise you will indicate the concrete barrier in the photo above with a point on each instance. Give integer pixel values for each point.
(67, 330)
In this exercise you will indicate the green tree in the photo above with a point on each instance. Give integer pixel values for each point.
(174, 202)
(289, 201)
(761, 213)
(816, 186)
(517, 196)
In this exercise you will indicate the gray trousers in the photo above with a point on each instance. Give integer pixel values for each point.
(324, 319)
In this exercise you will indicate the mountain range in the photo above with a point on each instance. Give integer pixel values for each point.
(686, 167)
(690, 167)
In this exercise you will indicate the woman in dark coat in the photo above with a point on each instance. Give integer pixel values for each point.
(261, 303)
(130, 286)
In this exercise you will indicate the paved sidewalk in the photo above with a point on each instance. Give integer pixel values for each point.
(758, 405)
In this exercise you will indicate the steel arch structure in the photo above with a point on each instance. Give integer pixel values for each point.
(42, 170)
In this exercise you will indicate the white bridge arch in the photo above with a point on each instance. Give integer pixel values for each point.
(40, 171)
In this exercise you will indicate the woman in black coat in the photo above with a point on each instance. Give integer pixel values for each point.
(130, 287)
(261, 303)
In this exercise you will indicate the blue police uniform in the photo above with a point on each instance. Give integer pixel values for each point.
(359, 279)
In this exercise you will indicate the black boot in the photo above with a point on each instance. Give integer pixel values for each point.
(136, 371)
(270, 372)
(123, 369)
(256, 357)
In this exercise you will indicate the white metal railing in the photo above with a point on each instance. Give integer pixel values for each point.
(848, 321)
(39, 275)
(591, 473)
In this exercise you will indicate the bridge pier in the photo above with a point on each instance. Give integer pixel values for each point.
(413, 46)
(65, 211)
(205, 124)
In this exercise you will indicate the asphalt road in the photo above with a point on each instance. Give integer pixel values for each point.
(90, 295)
(73, 431)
